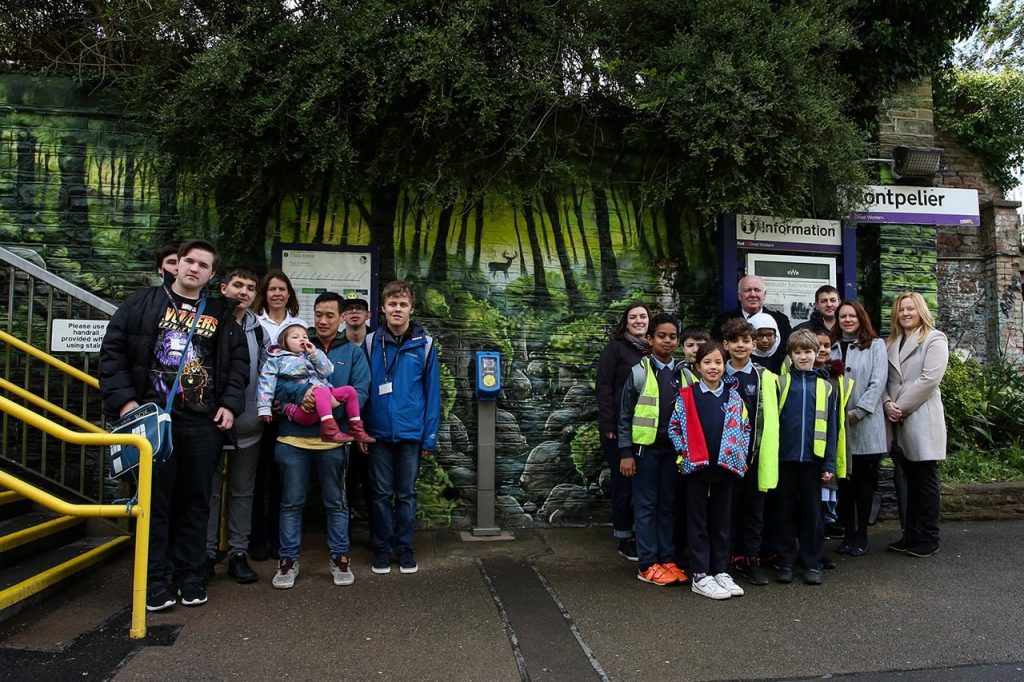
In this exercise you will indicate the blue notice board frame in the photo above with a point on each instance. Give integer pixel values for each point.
(316, 268)
(732, 270)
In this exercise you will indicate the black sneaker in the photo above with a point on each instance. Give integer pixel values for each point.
(192, 594)
(627, 548)
(922, 550)
(750, 568)
(827, 562)
(159, 598)
(241, 571)
(833, 531)
(785, 574)
(812, 576)
(845, 546)
(900, 545)
(407, 563)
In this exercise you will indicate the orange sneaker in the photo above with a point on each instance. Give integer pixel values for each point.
(679, 574)
(656, 575)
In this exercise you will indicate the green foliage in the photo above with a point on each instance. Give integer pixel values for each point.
(585, 451)
(577, 344)
(999, 42)
(984, 421)
(986, 111)
(436, 495)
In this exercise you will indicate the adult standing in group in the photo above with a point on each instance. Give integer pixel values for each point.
(864, 358)
(917, 354)
(146, 342)
(629, 344)
(355, 313)
(299, 450)
(823, 317)
(276, 307)
(403, 414)
(751, 292)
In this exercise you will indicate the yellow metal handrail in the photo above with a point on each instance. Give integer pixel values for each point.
(49, 407)
(49, 359)
(140, 510)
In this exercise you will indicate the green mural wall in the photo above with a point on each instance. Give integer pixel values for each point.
(540, 276)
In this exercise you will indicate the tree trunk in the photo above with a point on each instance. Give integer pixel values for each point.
(439, 260)
(401, 227)
(673, 231)
(519, 241)
(24, 182)
(544, 231)
(577, 207)
(478, 237)
(460, 249)
(571, 290)
(568, 231)
(381, 220)
(611, 288)
(622, 223)
(325, 197)
(641, 230)
(128, 199)
(74, 193)
(541, 296)
(413, 270)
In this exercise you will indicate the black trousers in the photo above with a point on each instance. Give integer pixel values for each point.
(747, 515)
(800, 524)
(181, 504)
(622, 491)
(857, 494)
(708, 521)
(266, 497)
(923, 501)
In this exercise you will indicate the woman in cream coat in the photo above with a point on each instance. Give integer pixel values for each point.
(864, 357)
(917, 354)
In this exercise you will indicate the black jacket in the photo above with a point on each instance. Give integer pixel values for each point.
(614, 365)
(127, 352)
(815, 324)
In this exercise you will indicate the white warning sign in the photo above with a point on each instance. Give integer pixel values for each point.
(82, 336)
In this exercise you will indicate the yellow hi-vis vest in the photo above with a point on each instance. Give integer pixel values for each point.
(645, 415)
(845, 390)
(822, 391)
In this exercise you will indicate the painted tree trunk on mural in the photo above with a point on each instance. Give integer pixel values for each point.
(611, 288)
(571, 290)
(540, 282)
(380, 217)
(74, 219)
(439, 260)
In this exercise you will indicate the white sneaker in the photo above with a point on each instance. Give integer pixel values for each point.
(287, 572)
(342, 573)
(727, 583)
(709, 587)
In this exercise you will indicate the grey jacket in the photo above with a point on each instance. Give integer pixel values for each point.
(869, 370)
(915, 372)
(248, 426)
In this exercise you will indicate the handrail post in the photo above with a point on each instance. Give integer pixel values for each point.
(141, 571)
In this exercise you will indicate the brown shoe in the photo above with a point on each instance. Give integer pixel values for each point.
(356, 430)
(330, 433)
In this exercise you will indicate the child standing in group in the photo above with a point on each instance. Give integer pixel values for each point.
(807, 458)
(693, 338)
(711, 433)
(295, 360)
(647, 455)
(841, 386)
(759, 388)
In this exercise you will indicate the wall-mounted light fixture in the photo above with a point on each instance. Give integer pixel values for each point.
(916, 162)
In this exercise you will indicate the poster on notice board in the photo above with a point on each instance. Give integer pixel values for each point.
(349, 271)
(790, 281)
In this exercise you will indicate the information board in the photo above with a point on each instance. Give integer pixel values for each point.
(344, 270)
(790, 281)
(80, 336)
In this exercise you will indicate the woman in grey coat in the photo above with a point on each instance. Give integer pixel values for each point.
(864, 357)
(917, 354)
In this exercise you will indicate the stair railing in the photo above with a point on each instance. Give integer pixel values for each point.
(138, 508)
(31, 298)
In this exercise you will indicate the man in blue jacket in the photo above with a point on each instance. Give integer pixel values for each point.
(299, 450)
(403, 414)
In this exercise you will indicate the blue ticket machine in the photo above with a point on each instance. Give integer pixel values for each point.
(488, 375)
(488, 387)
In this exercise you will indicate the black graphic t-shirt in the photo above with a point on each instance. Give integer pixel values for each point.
(194, 399)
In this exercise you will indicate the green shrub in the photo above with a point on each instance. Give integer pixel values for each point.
(585, 451)
(970, 465)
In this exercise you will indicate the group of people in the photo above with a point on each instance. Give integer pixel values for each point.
(265, 399)
(762, 440)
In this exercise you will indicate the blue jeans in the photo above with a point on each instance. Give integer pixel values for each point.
(295, 465)
(393, 471)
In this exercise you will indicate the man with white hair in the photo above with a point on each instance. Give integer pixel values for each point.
(751, 293)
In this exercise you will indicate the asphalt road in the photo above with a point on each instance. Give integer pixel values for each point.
(555, 604)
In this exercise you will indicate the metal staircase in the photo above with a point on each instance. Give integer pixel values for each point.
(56, 513)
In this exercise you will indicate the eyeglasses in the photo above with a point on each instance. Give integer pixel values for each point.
(765, 335)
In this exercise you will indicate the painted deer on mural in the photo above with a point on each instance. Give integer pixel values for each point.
(497, 266)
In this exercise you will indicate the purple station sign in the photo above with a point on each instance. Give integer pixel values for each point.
(918, 206)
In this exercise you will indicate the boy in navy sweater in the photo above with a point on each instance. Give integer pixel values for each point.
(807, 458)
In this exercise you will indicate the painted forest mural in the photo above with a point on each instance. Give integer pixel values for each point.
(539, 275)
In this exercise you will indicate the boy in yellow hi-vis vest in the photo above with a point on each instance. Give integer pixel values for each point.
(808, 430)
(647, 453)
(759, 388)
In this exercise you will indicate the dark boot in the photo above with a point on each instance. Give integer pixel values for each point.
(241, 571)
(356, 430)
(330, 433)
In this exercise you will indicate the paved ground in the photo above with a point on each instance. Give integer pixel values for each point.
(552, 605)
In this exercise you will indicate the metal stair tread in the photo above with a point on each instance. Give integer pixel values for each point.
(23, 521)
(33, 566)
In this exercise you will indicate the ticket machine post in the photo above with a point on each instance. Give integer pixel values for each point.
(488, 386)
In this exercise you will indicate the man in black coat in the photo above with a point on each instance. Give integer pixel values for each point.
(145, 342)
(823, 318)
(751, 294)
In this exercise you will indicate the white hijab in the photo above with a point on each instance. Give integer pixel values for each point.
(765, 321)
